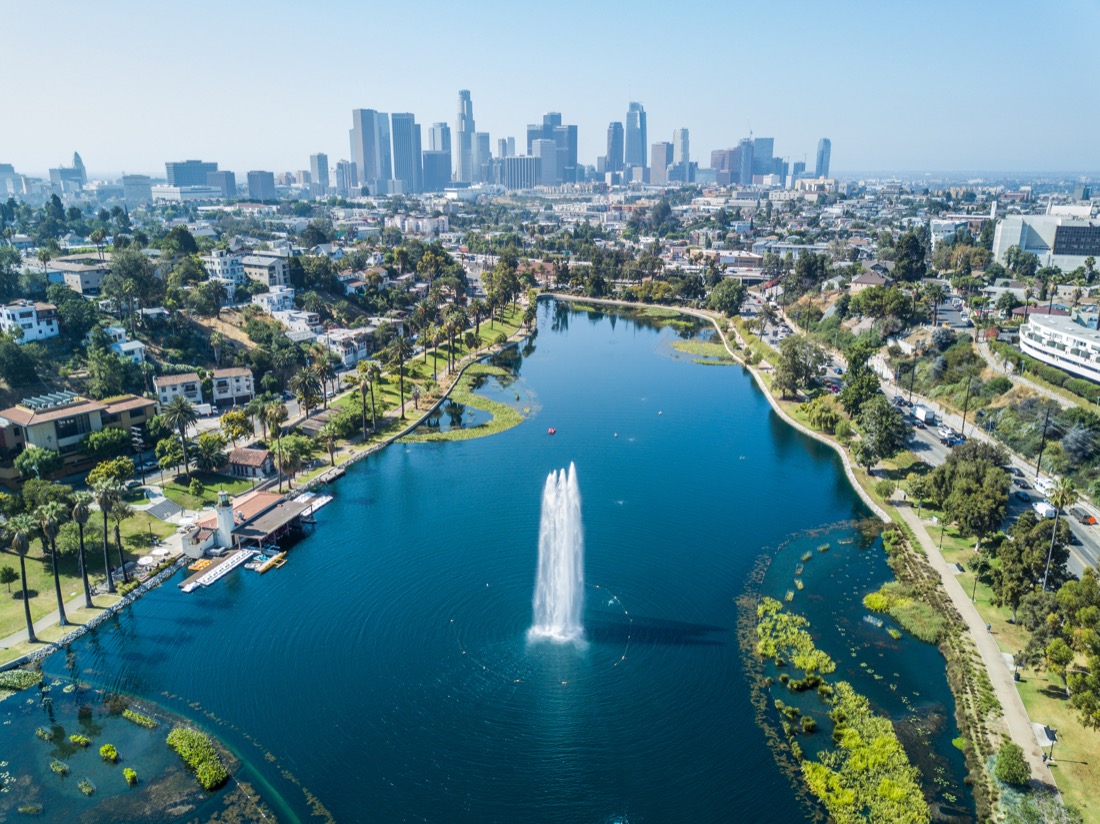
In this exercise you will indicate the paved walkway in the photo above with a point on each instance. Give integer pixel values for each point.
(1016, 717)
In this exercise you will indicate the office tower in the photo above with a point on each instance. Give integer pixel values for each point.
(615, 147)
(78, 164)
(464, 137)
(720, 159)
(483, 157)
(660, 158)
(439, 138)
(635, 135)
(762, 160)
(798, 168)
(370, 148)
(66, 180)
(506, 147)
(744, 164)
(261, 185)
(437, 171)
(188, 172)
(407, 158)
(347, 179)
(566, 138)
(547, 153)
(224, 182)
(136, 189)
(681, 152)
(318, 170)
(824, 150)
(303, 178)
(520, 172)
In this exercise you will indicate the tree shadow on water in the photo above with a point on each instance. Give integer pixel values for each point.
(653, 631)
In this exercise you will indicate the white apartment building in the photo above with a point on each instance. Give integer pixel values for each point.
(233, 386)
(298, 320)
(34, 321)
(1062, 342)
(275, 299)
(222, 265)
(170, 386)
(350, 345)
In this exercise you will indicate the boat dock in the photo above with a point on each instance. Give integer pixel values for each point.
(220, 568)
(274, 563)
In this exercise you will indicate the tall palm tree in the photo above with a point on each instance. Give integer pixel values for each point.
(306, 386)
(398, 352)
(360, 381)
(478, 307)
(374, 375)
(1063, 496)
(275, 414)
(180, 414)
(105, 492)
(328, 435)
(50, 516)
(435, 335)
(82, 511)
(120, 511)
(97, 237)
(325, 371)
(19, 530)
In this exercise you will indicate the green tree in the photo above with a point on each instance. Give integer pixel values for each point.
(210, 452)
(180, 414)
(236, 424)
(82, 511)
(396, 354)
(822, 414)
(169, 454)
(727, 297)
(105, 443)
(1063, 496)
(883, 428)
(909, 265)
(35, 462)
(275, 415)
(327, 436)
(861, 383)
(19, 530)
(1011, 768)
(49, 518)
(17, 368)
(800, 363)
(8, 576)
(306, 388)
(293, 453)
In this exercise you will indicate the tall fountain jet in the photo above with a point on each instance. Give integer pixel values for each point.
(559, 589)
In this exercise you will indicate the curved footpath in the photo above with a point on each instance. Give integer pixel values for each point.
(1012, 706)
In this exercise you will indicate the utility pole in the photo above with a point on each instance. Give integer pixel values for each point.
(966, 405)
(1042, 444)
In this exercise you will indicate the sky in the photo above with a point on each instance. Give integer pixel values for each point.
(993, 85)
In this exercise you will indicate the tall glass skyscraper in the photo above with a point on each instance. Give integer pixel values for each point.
(635, 135)
(464, 137)
(407, 161)
(615, 147)
(824, 150)
(370, 148)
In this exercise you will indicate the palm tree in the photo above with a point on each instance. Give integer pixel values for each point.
(120, 511)
(306, 386)
(414, 393)
(179, 414)
(479, 307)
(1063, 495)
(82, 511)
(19, 529)
(434, 336)
(44, 256)
(359, 381)
(50, 516)
(217, 343)
(328, 435)
(472, 341)
(398, 352)
(374, 375)
(275, 414)
(97, 237)
(105, 492)
(325, 371)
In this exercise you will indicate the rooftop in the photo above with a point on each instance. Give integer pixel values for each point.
(172, 380)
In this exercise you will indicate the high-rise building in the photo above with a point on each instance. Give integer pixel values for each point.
(188, 172)
(137, 189)
(224, 182)
(439, 138)
(635, 135)
(437, 171)
(261, 185)
(347, 179)
(547, 153)
(681, 151)
(660, 158)
(370, 148)
(318, 170)
(615, 145)
(407, 159)
(464, 137)
(520, 172)
(506, 147)
(762, 160)
(483, 157)
(78, 164)
(566, 138)
(824, 150)
(744, 164)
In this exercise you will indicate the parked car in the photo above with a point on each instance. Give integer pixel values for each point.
(1082, 516)
(1023, 496)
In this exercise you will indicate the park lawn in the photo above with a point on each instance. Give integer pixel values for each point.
(704, 349)
(77, 617)
(1076, 765)
(178, 490)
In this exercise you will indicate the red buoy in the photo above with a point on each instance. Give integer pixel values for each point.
(551, 431)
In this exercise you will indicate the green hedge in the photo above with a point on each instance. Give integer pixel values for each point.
(198, 751)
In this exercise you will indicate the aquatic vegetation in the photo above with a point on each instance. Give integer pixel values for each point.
(199, 753)
(30, 809)
(59, 767)
(86, 786)
(798, 583)
(824, 548)
(917, 617)
(789, 596)
(108, 753)
(894, 633)
(18, 679)
(139, 719)
(130, 775)
(806, 556)
(80, 740)
(783, 635)
(44, 734)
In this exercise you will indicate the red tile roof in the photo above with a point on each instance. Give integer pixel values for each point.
(243, 456)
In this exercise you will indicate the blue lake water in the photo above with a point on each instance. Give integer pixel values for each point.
(385, 673)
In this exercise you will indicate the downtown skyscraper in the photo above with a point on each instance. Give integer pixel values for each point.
(408, 163)
(615, 147)
(824, 150)
(465, 141)
(370, 149)
(635, 136)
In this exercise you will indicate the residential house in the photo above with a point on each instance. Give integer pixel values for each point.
(233, 386)
(34, 321)
(83, 273)
(247, 462)
(350, 345)
(60, 421)
(133, 350)
(223, 265)
(299, 320)
(275, 299)
(270, 270)
(170, 386)
(866, 280)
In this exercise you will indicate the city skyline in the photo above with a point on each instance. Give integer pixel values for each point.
(873, 80)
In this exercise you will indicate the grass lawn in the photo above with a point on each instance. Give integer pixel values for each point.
(178, 490)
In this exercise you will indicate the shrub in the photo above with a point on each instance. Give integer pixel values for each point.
(196, 488)
(80, 740)
(808, 724)
(197, 750)
(139, 719)
(921, 620)
(129, 775)
(109, 753)
(1011, 767)
(885, 488)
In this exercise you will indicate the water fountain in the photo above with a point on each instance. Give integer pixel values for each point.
(559, 588)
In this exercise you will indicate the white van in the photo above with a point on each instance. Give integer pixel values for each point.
(1044, 510)
(1045, 485)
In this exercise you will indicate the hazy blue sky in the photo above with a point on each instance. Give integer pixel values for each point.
(997, 85)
